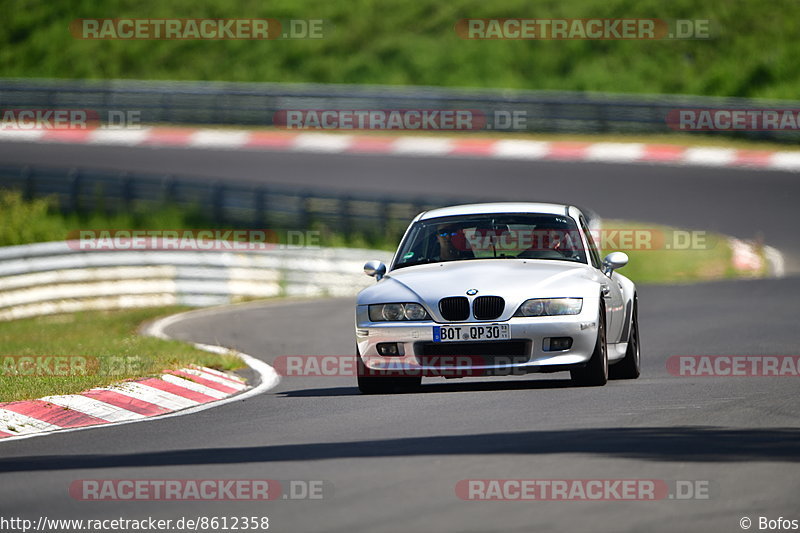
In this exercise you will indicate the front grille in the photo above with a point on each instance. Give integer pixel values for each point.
(480, 353)
(454, 308)
(488, 307)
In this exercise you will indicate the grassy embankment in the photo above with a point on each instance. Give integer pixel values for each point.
(752, 52)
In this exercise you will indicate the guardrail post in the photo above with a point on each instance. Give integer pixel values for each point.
(218, 202)
(127, 190)
(167, 189)
(74, 179)
(383, 215)
(305, 211)
(260, 206)
(345, 222)
(30, 182)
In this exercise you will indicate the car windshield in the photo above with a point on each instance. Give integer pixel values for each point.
(492, 236)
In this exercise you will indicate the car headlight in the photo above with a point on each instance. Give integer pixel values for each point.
(395, 312)
(550, 307)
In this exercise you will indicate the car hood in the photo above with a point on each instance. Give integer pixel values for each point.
(516, 280)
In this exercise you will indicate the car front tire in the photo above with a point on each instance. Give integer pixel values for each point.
(629, 367)
(595, 373)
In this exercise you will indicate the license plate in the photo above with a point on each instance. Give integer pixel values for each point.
(468, 332)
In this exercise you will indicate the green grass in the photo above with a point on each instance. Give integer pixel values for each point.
(26, 221)
(105, 343)
(413, 43)
(709, 261)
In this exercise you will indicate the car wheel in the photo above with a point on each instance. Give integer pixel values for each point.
(629, 367)
(371, 382)
(595, 373)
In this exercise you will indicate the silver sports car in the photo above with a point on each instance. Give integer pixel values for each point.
(496, 289)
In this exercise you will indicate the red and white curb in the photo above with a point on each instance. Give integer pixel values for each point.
(746, 259)
(665, 154)
(174, 393)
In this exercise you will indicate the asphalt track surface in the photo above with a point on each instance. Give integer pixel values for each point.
(393, 461)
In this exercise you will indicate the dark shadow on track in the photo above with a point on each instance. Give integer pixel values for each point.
(454, 386)
(699, 443)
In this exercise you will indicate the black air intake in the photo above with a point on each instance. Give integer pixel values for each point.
(488, 307)
(454, 308)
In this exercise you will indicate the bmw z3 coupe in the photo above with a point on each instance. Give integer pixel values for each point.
(496, 289)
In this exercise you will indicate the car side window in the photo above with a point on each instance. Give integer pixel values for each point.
(593, 253)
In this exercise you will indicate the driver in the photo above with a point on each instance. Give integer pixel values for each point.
(452, 243)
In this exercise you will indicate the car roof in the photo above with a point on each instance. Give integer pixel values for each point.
(496, 207)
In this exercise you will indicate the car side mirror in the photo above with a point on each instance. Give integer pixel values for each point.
(375, 269)
(613, 261)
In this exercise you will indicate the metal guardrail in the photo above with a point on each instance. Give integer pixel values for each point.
(57, 277)
(223, 203)
(256, 103)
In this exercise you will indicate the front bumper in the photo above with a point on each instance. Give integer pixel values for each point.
(526, 352)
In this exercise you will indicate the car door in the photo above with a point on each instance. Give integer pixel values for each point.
(611, 288)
